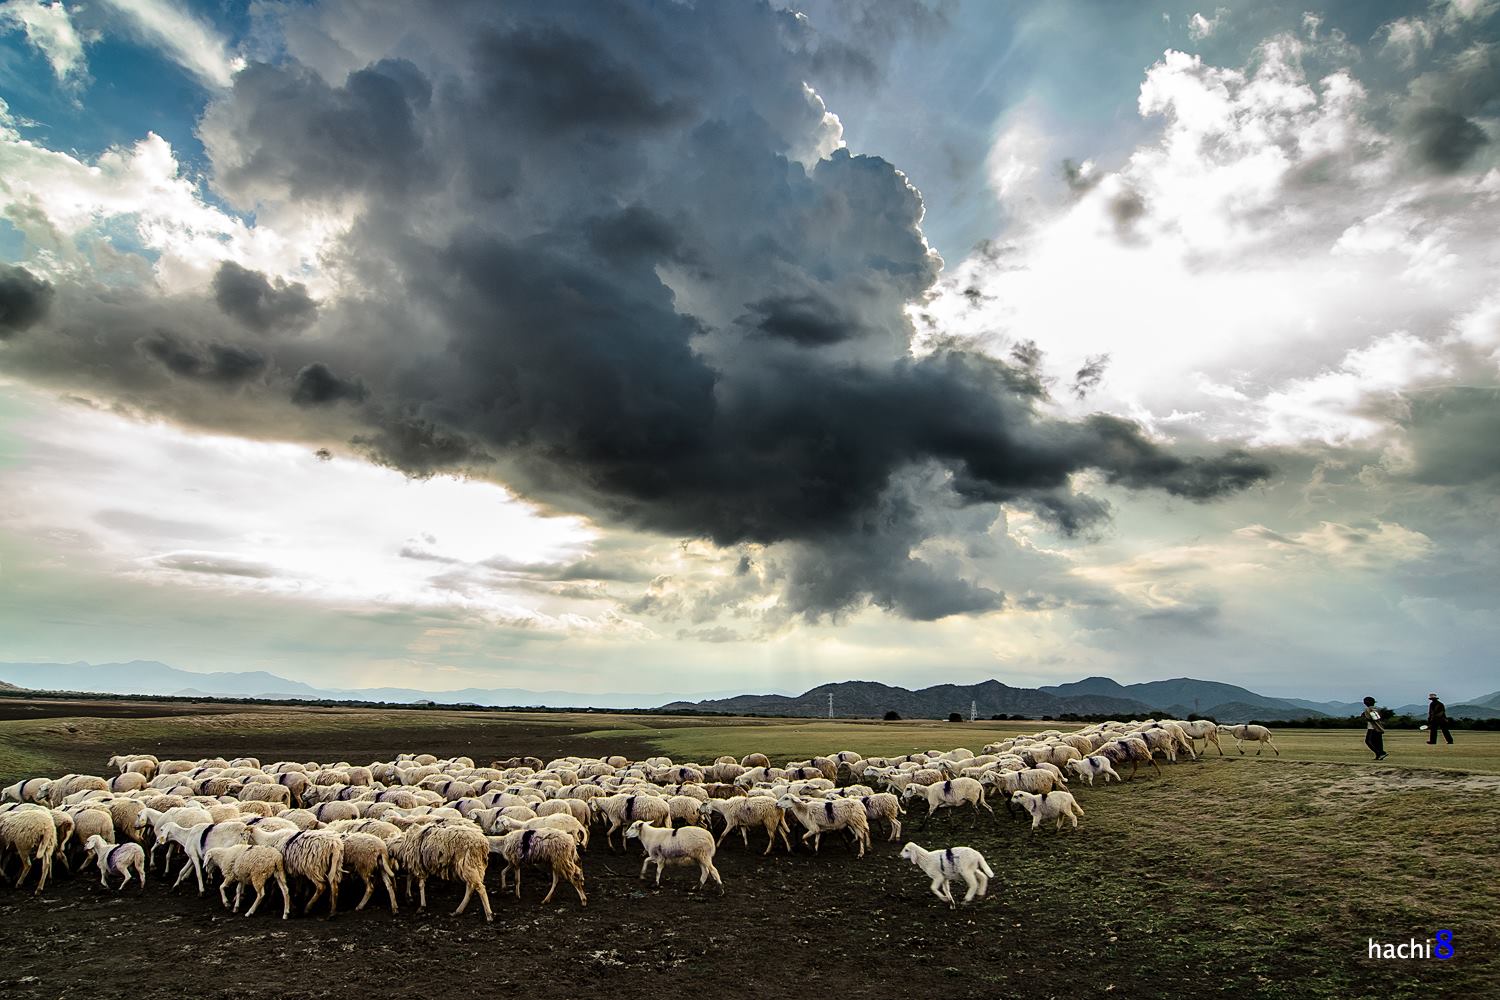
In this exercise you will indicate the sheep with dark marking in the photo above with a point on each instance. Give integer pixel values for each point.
(1057, 806)
(827, 815)
(1093, 766)
(949, 794)
(198, 840)
(619, 811)
(1129, 750)
(688, 845)
(318, 857)
(553, 849)
(745, 813)
(950, 864)
(884, 806)
(119, 859)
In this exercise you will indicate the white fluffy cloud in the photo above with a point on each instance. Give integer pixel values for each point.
(181, 37)
(49, 29)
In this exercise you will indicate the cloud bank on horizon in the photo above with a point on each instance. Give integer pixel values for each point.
(482, 346)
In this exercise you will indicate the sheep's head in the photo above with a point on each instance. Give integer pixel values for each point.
(633, 832)
(909, 851)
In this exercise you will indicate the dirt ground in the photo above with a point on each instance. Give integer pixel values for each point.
(1227, 877)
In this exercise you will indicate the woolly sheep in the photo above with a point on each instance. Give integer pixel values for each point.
(559, 821)
(1057, 806)
(198, 840)
(31, 836)
(827, 815)
(947, 865)
(366, 855)
(689, 845)
(884, 806)
(1202, 729)
(455, 852)
(253, 865)
(317, 856)
(555, 849)
(622, 810)
(743, 814)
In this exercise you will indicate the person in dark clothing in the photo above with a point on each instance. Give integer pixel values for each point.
(1374, 730)
(1437, 718)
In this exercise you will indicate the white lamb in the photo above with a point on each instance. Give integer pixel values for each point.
(1054, 805)
(1093, 766)
(686, 845)
(1259, 735)
(122, 859)
(953, 863)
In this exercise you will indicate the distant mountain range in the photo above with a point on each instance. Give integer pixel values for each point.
(851, 699)
(149, 677)
(1179, 697)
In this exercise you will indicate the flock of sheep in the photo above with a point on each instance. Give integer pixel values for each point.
(248, 825)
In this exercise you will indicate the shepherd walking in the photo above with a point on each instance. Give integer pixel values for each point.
(1374, 730)
(1437, 718)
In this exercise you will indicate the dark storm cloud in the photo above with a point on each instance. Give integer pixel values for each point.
(1443, 139)
(555, 81)
(807, 319)
(260, 303)
(24, 299)
(219, 363)
(594, 245)
(292, 132)
(317, 385)
(1088, 377)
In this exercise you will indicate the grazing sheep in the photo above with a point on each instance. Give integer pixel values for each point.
(122, 859)
(684, 845)
(130, 781)
(366, 855)
(458, 853)
(742, 813)
(31, 835)
(949, 795)
(1259, 735)
(558, 821)
(1091, 766)
(947, 865)
(755, 760)
(827, 815)
(555, 849)
(1054, 805)
(577, 808)
(69, 784)
(261, 791)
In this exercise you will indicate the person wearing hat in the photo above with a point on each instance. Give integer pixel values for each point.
(1437, 718)
(1374, 730)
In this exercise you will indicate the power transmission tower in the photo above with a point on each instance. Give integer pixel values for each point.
(973, 710)
(830, 704)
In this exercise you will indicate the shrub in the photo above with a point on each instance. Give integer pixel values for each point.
(955, 717)
(892, 716)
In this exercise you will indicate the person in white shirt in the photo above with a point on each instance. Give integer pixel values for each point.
(1374, 730)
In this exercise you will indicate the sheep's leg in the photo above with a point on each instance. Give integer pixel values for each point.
(463, 904)
(180, 876)
(103, 877)
(369, 891)
(239, 896)
(660, 865)
(1273, 747)
(550, 889)
(518, 881)
(717, 880)
(575, 879)
(286, 896)
(25, 870)
(1259, 746)
(983, 880)
(1156, 766)
(317, 894)
(198, 870)
(973, 884)
(390, 889)
(422, 892)
(484, 902)
(895, 829)
(223, 892)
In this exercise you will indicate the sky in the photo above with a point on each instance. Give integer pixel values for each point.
(700, 347)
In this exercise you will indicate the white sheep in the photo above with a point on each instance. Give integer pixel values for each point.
(366, 855)
(1054, 805)
(121, 859)
(253, 865)
(743, 813)
(688, 845)
(317, 856)
(1202, 729)
(949, 794)
(1092, 766)
(1259, 735)
(947, 865)
(32, 836)
(622, 810)
(198, 840)
(826, 815)
(884, 806)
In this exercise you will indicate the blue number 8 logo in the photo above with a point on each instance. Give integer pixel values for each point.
(1444, 945)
